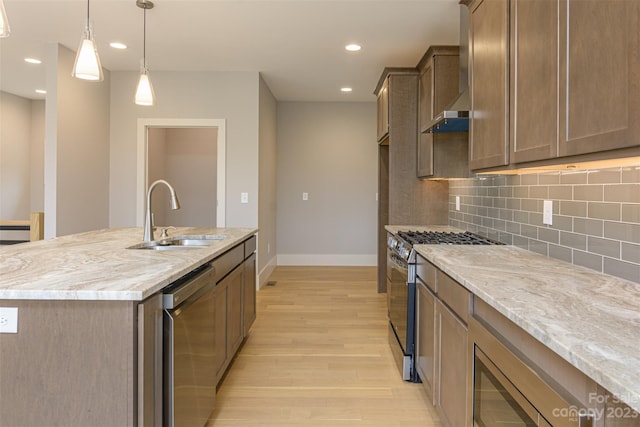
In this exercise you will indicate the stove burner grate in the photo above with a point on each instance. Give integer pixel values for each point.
(444, 238)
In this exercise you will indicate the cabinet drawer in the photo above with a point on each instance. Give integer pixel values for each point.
(249, 246)
(455, 296)
(228, 261)
(427, 272)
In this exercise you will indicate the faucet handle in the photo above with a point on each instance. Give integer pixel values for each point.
(164, 230)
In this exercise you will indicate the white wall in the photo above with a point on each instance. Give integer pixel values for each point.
(232, 96)
(15, 147)
(267, 247)
(21, 160)
(328, 150)
(76, 163)
(187, 159)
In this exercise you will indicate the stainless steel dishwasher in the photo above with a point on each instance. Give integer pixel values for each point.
(189, 349)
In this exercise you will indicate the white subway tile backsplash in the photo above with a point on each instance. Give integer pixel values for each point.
(596, 219)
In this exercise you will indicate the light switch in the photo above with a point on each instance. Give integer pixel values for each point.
(547, 212)
(8, 320)
(457, 203)
(305, 196)
(244, 197)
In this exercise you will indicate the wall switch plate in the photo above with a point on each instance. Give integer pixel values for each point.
(244, 197)
(457, 203)
(547, 212)
(8, 320)
(305, 196)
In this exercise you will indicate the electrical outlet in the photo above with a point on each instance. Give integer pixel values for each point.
(547, 212)
(8, 320)
(305, 196)
(457, 203)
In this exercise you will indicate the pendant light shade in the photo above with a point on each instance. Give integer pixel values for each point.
(144, 90)
(4, 22)
(87, 65)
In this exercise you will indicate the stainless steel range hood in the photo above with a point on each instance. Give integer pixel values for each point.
(455, 117)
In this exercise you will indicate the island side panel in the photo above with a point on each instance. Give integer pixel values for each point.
(71, 363)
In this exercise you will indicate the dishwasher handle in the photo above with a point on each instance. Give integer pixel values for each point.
(180, 291)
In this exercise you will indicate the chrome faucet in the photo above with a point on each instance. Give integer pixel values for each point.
(175, 204)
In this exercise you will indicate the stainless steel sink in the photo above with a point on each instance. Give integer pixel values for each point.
(179, 242)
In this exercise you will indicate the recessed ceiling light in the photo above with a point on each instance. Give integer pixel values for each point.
(353, 47)
(117, 45)
(32, 61)
(346, 89)
(41, 91)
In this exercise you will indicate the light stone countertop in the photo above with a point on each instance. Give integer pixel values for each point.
(97, 266)
(590, 319)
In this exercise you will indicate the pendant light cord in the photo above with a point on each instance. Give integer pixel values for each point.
(144, 38)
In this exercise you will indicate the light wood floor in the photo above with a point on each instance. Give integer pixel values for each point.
(318, 355)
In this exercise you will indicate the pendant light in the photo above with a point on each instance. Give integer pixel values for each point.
(87, 65)
(4, 22)
(144, 89)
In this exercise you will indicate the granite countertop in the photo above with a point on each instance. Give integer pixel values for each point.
(97, 266)
(590, 319)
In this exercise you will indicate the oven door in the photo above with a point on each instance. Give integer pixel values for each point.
(398, 298)
(496, 402)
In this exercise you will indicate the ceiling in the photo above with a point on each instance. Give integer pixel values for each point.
(297, 45)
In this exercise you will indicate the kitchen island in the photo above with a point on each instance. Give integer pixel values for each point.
(589, 319)
(87, 325)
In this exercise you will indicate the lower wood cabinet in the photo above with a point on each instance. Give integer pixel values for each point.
(452, 366)
(425, 337)
(442, 311)
(235, 304)
(249, 293)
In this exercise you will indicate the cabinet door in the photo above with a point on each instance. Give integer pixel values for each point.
(425, 338)
(425, 140)
(534, 80)
(249, 290)
(599, 75)
(452, 394)
(221, 328)
(234, 310)
(383, 111)
(150, 361)
(488, 49)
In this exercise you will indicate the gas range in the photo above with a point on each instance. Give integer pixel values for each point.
(403, 241)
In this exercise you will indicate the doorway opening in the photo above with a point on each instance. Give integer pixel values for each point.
(189, 154)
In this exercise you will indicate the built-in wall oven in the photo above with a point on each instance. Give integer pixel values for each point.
(510, 389)
(401, 288)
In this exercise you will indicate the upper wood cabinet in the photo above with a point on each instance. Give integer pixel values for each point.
(383, 110)
(489, 68)
(573, 81)
(442, 155)
(534, 80)
(599, 75)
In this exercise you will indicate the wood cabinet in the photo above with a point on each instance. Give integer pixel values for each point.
(403, 199)
(553, 82)
(425, 337)
(383, 110)
(452, 366)
(442, 311)
(489, 90)
(599, 76)
(235, 301)
(249, 293)
(440, 155)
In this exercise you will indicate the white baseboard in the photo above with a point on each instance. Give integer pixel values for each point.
(264, 274)
(329, 260)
